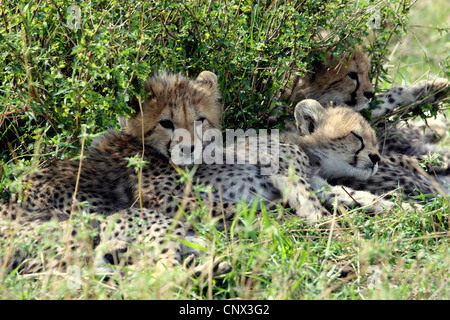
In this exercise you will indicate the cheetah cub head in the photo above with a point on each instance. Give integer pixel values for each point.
(340, 139)
(337, 81)
(175, 105)
(347, 82)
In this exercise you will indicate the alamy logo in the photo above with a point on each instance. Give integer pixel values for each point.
(249, 147)
(73, 17)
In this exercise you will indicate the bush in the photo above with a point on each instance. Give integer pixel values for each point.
(59, 75)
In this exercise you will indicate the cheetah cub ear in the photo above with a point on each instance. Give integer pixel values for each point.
(208, 80)
(309, 114)
(155, 84)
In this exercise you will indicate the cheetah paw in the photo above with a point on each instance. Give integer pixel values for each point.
(437, 84)
(214, 265)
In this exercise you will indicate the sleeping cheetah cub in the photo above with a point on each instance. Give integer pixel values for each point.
(347, 82)
(325, 144)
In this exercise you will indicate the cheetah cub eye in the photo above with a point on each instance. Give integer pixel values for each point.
(167, 124)
(353, 75)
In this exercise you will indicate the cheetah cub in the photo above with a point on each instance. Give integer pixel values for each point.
(335, 81)
(324, 144)
(108, 186)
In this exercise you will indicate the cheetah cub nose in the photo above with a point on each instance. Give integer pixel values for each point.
(369, 94)
(374, 158)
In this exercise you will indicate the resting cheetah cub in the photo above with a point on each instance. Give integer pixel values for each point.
(348, 84)
(107, 182)
(335, 81)
(417, 139)
(346, 81)
(393, 174)
(325, 144)
(107, 185)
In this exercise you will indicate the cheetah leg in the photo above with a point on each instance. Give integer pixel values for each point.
(148, 227)
(423, 91)
(156, 231)
(213, 266)
(433, 129)
(305, 203)
(50, 245)
(332, 195)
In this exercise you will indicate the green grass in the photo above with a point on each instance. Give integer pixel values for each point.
(398, 255)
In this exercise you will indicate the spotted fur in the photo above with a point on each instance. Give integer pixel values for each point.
(112, 189)
(395, 174)
(426, 91)
(337, 136)
(108, 186)
(330, 85)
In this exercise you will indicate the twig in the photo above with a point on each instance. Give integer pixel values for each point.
(429, 27)
(12, 112)
(83, 139)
